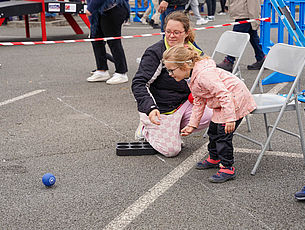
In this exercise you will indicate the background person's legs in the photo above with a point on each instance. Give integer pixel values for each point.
(223, 7)
(111, 25)
(194, 6)
(211, 5)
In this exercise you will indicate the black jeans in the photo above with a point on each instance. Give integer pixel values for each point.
(211, 5)
(223, 5)
(254, 39)
(220, 144)
(111, 26)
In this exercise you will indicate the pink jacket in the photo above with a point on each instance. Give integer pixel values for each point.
(221, 91)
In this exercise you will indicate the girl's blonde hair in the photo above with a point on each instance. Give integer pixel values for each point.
(181, 17)
(181, 54)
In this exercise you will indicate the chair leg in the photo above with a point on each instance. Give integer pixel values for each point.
(248, 124)
(268, 140)
(267, 131)
(299, 117)
(205, 135)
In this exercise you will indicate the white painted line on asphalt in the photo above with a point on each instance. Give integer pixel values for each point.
(90, 116)
(22, 97)
(160, 158)
(278, 87)
(133, 211)
(270, 153)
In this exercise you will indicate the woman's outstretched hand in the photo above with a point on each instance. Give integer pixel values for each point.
(187, 130)
(154, 117)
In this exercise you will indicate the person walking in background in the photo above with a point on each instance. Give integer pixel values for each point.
(242, 10)
(155, 19)
(223, 8)
(219, 90)
(106, 18)
(211, 5)
(195, 8)
(168, 6)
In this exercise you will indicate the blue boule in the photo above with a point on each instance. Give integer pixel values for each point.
(48, 179)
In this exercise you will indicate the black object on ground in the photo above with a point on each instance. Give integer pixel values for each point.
(134, 149)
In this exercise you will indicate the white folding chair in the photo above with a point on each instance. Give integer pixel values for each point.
(233, 44)
(289, 60)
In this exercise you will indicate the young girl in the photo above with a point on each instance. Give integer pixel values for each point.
(221, 91)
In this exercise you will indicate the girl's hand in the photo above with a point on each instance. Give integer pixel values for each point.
(153, 116)
(88, 13)
(187, 130)
(230, 127)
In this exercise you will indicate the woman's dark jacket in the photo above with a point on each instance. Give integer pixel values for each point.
(152, 86)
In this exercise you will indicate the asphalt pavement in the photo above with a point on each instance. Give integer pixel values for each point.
(53, 120)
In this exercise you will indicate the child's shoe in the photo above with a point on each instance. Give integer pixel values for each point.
(300, 195)
(207, 164)
(223, 175)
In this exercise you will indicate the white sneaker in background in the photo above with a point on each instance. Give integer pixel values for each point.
(99, 76)
(201, 21)
(117, 78)
(221, 13)
(211, 18)
(143, 20)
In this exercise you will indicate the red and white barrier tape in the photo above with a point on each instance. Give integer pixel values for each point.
(121, 37)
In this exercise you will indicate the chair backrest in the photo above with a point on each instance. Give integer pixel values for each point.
(286, 59)
(232, 43)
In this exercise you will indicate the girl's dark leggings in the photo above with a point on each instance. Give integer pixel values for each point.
(220, 144)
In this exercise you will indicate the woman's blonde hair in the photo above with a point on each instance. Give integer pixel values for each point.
(181, 54)
(181, 17)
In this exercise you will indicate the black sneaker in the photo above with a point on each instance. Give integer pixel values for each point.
(207, 164)
(151, 22)
(226, 65)
(256, 66)
(300, 195)
(223, 175)
(156, 26)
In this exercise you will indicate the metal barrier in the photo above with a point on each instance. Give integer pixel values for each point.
(139, 6)
(276, 23)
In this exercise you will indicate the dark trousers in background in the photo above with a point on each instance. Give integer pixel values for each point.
(254, 39)
(220, 144)
(167, 12)
(211, 5)
(223, 5)
(111, 26)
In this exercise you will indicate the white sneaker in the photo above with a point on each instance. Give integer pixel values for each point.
(117, 78)
(143, 20)
(211, 18)
(138, 136)
(201, 21)
(221, 13)
(99, 76)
